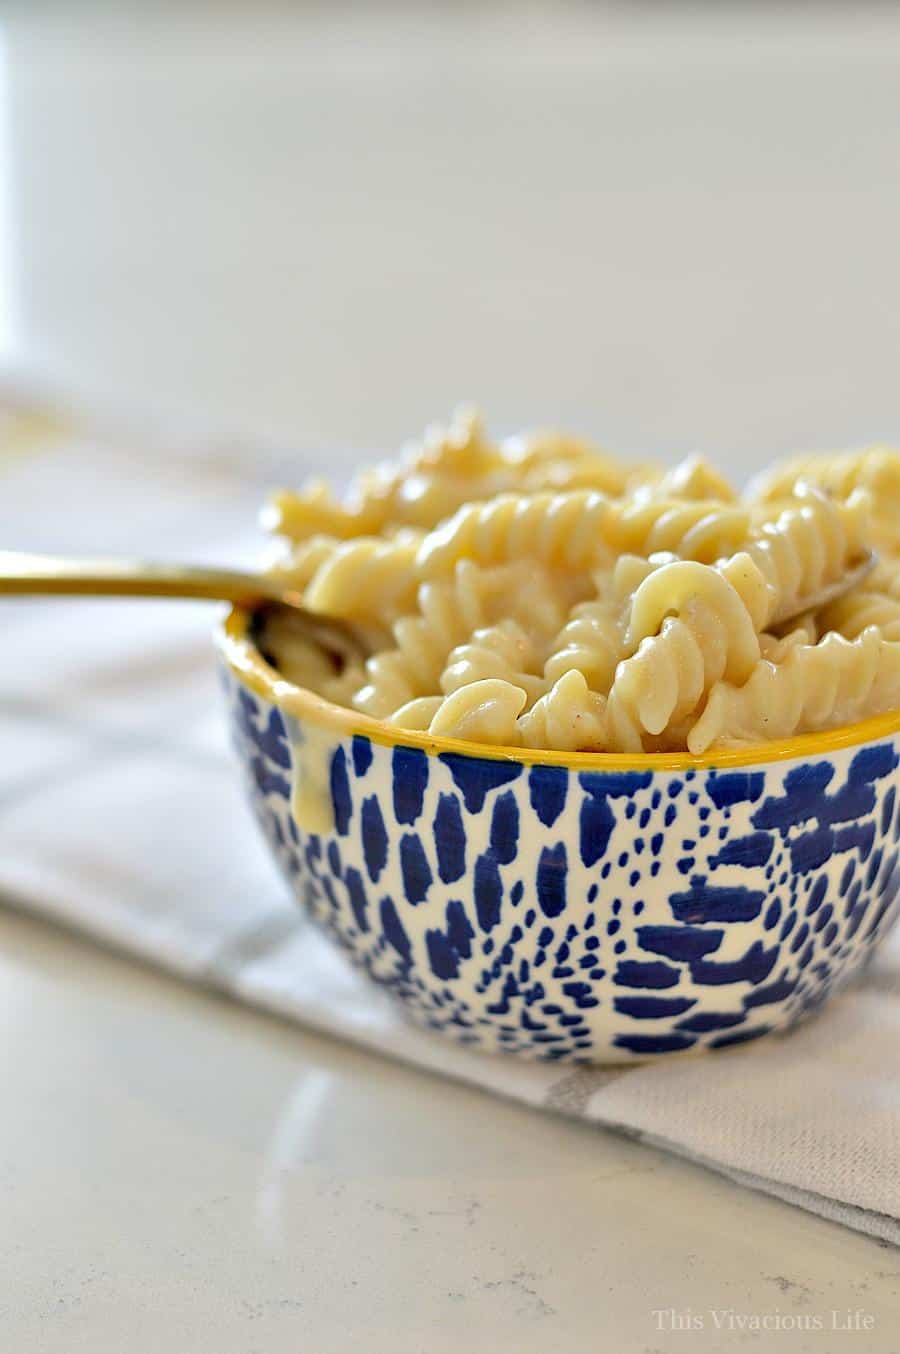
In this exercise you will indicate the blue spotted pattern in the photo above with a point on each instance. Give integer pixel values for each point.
(588, 916)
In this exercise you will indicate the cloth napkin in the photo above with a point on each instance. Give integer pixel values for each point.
(121, 815)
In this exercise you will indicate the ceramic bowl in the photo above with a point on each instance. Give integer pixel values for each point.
(580, 907)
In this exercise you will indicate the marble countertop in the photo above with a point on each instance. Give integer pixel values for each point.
(179, 1172)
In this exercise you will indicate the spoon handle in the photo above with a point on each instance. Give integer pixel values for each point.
(52, 574)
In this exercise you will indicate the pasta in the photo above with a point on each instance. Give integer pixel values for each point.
(700, 529)
(815, 686)
(875, 469)
(694, 478)
(504, 651)
(810, 543)
(579, 529)
(590, 643)
(565, 530)
(449, 613)
(448, 468)
(860, 609)
(692, 627)
(569, 716)
(537, 593)
(484, 711)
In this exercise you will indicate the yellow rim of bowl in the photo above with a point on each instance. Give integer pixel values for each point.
(240, 653)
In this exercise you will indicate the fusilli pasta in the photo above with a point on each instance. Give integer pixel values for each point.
(815, 686)
(536, 592)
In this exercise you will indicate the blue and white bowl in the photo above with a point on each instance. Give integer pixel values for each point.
(580, 907)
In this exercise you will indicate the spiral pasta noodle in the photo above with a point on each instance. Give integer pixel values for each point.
(450, 613)
(874, 469)
(692, 529)
(580, 528)
(364, 576)
(695, 479)
(504, 651)
(447, 613)
(564, 530)
(483, 712)
(810, 542)
(590, 643)
(569, 717)
(432, 478)
(415, 491)
(815, 686)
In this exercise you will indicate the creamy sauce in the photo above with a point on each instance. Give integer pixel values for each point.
(311, 751)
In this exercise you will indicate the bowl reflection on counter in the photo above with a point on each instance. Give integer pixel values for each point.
(579, 907)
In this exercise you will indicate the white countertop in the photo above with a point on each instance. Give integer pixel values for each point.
(666, 226)
(179, 1173)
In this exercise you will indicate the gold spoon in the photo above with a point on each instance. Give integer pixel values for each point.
(825, 596)
(46, 575)
(51, 574)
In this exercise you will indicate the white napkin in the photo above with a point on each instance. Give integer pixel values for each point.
(121, 814)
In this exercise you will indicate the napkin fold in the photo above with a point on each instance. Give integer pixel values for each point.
(121, 815)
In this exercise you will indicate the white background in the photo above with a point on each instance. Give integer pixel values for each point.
(669, 226)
